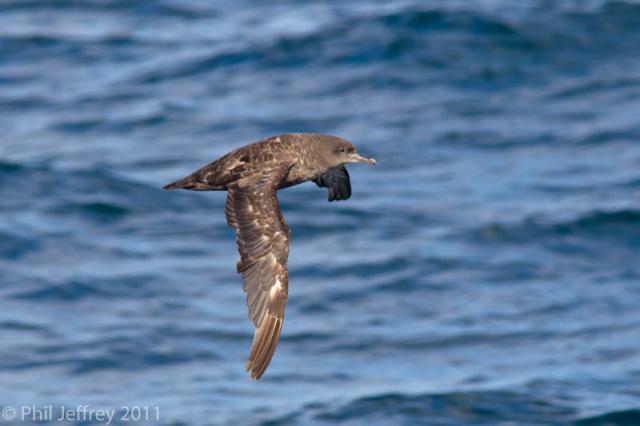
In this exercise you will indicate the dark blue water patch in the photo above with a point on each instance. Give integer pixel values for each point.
(315, 307)
(23, 326)
(616, 225)
(372, 344)
(184, 10)
(132, 358)
(9, 167)
(96, 194)
(417, 36)
(629, 134)
(437, 20)
(115, 126)
(597, 86)
(24, 103)
(616, 418)
(517, 49)
(205, 334)
(481, 408)
(307, 338)
(120, 352)
(603, 222)
(457, 41)
(98, 211)
(409, 284)
(336, 379)
(84, 51)
(77, 289)
(94, 212)
(78, 126)
(423, 342)
(13, 246)
(55, 41)
(364, 270)
(613, 16)
(112, 97)
(630, 184)
(25, 48)
(194, 67)
(374, 80)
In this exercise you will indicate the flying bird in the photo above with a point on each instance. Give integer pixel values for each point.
(251, 175)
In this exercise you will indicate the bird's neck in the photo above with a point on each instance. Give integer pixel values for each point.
(307, 166)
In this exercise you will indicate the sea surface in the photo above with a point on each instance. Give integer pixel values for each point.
(487, 271)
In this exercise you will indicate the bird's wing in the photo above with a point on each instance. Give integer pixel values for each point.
(263, 242)
(337, 180)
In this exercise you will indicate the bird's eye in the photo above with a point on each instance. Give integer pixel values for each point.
(341, 149)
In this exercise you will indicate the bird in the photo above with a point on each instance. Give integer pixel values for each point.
(251, 175)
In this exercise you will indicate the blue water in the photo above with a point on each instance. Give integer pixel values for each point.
(485, 272)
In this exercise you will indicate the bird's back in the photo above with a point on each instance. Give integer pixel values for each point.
(297, 150)
(237, 164)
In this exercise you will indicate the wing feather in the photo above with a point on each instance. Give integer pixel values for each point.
(263, 242)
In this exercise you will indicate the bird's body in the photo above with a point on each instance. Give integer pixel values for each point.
(252, 174)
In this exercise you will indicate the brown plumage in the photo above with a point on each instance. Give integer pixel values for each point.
(251, 175)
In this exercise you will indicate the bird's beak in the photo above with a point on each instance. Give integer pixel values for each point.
(357, 158)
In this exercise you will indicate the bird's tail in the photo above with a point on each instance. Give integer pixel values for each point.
(184, 183)
(193, 183)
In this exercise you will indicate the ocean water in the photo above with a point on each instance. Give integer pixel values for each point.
(487, 271)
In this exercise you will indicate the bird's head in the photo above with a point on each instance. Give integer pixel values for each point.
(336, 152)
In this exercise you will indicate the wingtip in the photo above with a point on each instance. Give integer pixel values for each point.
(253, 375)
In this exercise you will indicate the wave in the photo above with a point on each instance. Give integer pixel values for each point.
(121, 352)
(94, 191)
(9, 167)
(14, 246)
(122, 287)
(473, 407)
(183, 9)
(601, 221)
(618, 418)
(479, 407)
(595, 86)
(429, 342)
(623, 224)
(483, 45)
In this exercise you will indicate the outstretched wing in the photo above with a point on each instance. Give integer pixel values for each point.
(337, 180)
(263, 242)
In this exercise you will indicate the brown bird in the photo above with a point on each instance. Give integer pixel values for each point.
(251, 175)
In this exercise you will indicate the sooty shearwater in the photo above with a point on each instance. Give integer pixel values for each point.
(251, 175)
